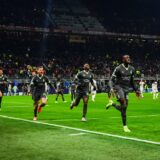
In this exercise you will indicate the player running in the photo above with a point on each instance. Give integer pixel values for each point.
(3, 84)
(141, 87)
(155, 90)
(39, 95)
(93, 91)
(83, 79)
(120, 82)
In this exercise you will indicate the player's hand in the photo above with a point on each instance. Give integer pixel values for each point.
(138, 94)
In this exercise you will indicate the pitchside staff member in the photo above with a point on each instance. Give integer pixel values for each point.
(3, 83)
(120, 82)
(83, 79)
(38, 84)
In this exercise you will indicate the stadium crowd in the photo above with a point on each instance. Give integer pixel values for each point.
(20, 53)
(67, 66)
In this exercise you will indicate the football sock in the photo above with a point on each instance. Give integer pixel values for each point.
(93, 97)
(123, 114)
(57, 97)
(84, 110)
(35, 110)
(118, 107)
(0, 101)
(62, 97)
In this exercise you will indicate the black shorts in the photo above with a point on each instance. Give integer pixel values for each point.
(121, 93)
(60, 92)
(2, 88)
(82, 94)
(36, 96)
(73, 92)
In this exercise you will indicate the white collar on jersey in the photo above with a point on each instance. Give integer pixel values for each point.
(86, 71)
(125, 66)
(40, 76)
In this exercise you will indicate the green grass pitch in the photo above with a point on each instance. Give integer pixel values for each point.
(24, 140)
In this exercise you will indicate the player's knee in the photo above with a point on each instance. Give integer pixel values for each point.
(76, 102)
(44, 103)
(35, 103)
(123, 102)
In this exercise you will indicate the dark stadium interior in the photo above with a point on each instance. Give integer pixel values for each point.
(79, 79)
(65, 30)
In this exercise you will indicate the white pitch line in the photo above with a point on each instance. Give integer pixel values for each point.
(83, 130)
(152, 115)
(63, 120)
(77, 134)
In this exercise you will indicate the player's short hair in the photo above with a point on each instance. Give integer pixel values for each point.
(86, 64)
(34, 70)
(124, 56)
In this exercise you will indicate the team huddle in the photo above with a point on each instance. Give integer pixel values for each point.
(120, 82)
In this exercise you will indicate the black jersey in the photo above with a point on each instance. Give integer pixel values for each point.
(123, 77)
(83, 79)
(38, 83)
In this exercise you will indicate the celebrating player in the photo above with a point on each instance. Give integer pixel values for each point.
(83, 79)
(38, 85)
(3, 83)
(121, 79)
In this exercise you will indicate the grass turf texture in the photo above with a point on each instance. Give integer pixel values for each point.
(23, 140)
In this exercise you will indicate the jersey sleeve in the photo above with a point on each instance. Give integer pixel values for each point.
(32, 83)
(49, 82)
(76, 78)
(113, 78)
